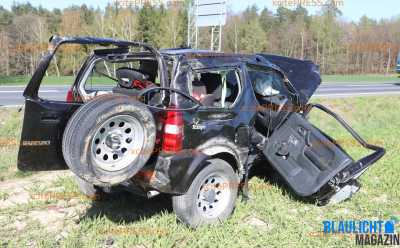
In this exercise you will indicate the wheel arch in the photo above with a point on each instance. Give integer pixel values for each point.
(226, 150)
(199, 163)
(230, 159)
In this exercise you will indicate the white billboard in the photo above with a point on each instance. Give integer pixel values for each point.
(210, 13)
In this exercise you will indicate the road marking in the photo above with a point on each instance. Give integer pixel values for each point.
(361, 89)
(24, 86)
(359, 85)
(12, 106)
(360, 94)
(21, 91)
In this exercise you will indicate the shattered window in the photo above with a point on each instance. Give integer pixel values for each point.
(267, 83)
(215, 88)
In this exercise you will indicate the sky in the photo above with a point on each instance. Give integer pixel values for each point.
(352, 9)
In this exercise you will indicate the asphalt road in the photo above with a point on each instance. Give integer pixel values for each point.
(12, 95)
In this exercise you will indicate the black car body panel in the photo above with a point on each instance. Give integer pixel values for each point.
(305, 156)
(303, 74)
(174, 174)
(44, 124)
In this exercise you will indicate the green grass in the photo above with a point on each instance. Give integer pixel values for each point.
(10, 132)
(23, 80)
(365, 78)
(49, 80)
(129, 221)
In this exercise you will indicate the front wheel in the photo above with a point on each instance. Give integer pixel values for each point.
(211, 197)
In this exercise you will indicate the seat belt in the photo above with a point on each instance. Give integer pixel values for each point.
(223, 93)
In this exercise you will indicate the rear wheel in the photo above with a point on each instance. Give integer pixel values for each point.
(116, 142)
(211, 197)
(87, 189)
(109, 139)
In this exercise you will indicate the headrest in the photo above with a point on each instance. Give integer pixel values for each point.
(212, 81)
(126, 76)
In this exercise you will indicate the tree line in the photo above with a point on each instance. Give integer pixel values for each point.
(337, 45)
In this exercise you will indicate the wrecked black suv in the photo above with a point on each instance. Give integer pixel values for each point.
(188, 123)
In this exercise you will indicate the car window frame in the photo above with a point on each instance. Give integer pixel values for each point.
(237, 69)
(83, 80)
(249, 66)
(91, 71)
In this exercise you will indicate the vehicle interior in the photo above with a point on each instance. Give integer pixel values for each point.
(126, 76)
(274, 98)
(216, 88)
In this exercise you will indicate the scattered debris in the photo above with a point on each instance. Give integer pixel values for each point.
(109, 242)
(257, 223)
(381, 198)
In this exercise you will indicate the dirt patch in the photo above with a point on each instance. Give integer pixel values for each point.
(16, 191)
(52, 219)
(59, 217)
(42, 177)
(18, 196)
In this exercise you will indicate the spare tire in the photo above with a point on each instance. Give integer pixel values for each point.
(109, 139)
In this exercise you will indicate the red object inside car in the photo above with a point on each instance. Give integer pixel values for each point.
(70, 96)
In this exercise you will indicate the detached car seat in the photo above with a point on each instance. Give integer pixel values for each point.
(131, 81)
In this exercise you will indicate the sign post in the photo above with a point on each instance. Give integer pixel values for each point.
(210, 14)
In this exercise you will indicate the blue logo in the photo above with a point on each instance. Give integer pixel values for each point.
(389, 226)
(367, 232)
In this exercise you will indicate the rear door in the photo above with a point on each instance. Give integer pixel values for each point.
(43, 125)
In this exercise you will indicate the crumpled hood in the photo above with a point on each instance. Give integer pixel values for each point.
(303, 74)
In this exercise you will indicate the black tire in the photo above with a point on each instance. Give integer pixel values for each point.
(87, 189)
(82, 126)
(186, 206)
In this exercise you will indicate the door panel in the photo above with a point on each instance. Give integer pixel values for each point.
(214, 122)
(43, 127)
(305, 157)
(215, 115)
